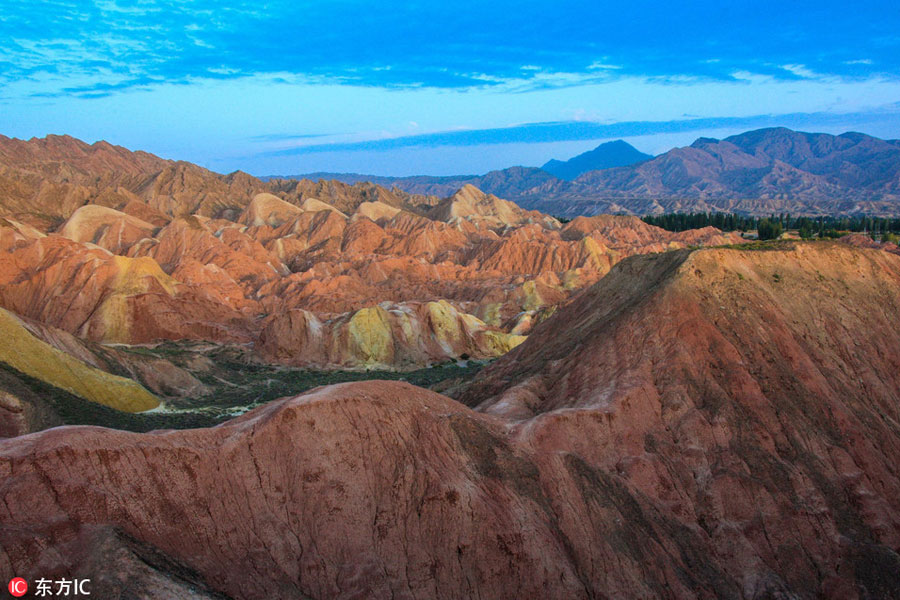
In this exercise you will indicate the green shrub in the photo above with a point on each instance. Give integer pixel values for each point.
(769, 229)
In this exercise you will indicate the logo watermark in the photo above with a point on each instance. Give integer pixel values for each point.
(18, 587)
(45, 588)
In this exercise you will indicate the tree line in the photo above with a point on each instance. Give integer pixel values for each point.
(771, 227)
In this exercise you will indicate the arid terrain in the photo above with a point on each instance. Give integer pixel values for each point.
(763, 172)
(296, 389)
(102, 249)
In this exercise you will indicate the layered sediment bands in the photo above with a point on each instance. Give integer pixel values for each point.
(32, 356)
(381, 489)
(239, 265)
(401, 335)
(376, 211)
(392, 491)
(267, 209)
(92, 293)
(471, 204)
(108, 228)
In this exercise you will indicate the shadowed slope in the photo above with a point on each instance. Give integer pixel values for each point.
(138, 269)
(814, 311)
(714, 424)
(32, 356)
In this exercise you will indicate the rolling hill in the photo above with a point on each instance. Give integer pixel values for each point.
(762, 172)
(718, 423)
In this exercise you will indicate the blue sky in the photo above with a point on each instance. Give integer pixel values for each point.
(402, 88)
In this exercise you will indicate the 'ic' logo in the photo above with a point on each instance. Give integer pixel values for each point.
(18, 587)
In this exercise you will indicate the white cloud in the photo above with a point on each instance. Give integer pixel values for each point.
(239, 108)
(603, 66)
(801, 71)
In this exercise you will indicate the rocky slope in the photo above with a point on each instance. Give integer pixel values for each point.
(777, 170)
(29, 354)
(800, 304)
(132, 249)
(763, 172)
(717, 423)
(43, 181)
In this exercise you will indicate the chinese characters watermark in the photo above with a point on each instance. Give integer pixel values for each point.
(44, 588)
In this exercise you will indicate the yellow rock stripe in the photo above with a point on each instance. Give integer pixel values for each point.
(26, 353)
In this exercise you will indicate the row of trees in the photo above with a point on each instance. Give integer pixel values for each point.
(685, 221)
(808, 227)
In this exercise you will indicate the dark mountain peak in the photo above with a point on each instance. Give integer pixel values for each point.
(518, 170)
(818, 153)
(858, 137)
(704, 141)
(615, 144)
(759, 172)
(618, 153)
(766, 133)
(760, 139)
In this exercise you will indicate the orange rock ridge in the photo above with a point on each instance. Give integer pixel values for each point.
(234, 263)
(690, 426)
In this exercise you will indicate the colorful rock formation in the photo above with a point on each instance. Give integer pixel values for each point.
(134, 249)
(34, 357)
(716, 423)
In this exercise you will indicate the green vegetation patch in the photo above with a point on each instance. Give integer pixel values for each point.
(236, 383)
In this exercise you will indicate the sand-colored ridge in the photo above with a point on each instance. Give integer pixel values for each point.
(471, 204)
(444, 322)
(316, 205)
(389, 335)
(376, 211)
(268, 209)
(134, 276)
(84, 222)
(28, 354)
(498, 343)
(138, 276)
(106, 227)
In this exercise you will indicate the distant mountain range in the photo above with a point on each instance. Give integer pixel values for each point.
(605, 156)
(511, 183)
(759, 172)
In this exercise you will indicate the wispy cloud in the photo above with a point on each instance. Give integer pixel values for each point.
(222, 80)
(443, 45)
(287, 137)
(541, 133)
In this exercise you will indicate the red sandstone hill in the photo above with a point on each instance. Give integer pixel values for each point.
(716, 423)
(124, 247)
(44, 180)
